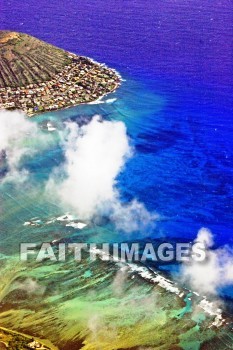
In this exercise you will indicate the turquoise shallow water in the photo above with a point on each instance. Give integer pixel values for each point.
(181, 168)
(176, 102)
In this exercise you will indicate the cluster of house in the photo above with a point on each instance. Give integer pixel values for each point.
(81, 81)
(36, 345)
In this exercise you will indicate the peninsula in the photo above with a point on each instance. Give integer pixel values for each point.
(37, 77)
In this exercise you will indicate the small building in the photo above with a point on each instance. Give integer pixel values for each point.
(34, 345)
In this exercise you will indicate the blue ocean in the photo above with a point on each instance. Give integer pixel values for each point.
(175, 59)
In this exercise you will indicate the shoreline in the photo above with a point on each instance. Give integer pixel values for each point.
(93, 101)
(170, 286)
(82, 81)
(75, 105)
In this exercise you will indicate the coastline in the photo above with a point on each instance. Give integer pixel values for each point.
(82, 81)
(176, 105)
(166, 284)
(37, 77)
(94, 100)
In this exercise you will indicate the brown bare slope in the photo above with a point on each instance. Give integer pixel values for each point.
(26, 60)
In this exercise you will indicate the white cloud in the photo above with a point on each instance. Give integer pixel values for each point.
(216, 271)
(19, 137)
(14, 128)
(205, 236)
(132, 216)
(87, 182)
(94, 156)
(31, 286)
(118, 284)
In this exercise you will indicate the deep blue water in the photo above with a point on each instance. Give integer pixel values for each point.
(176, 58)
